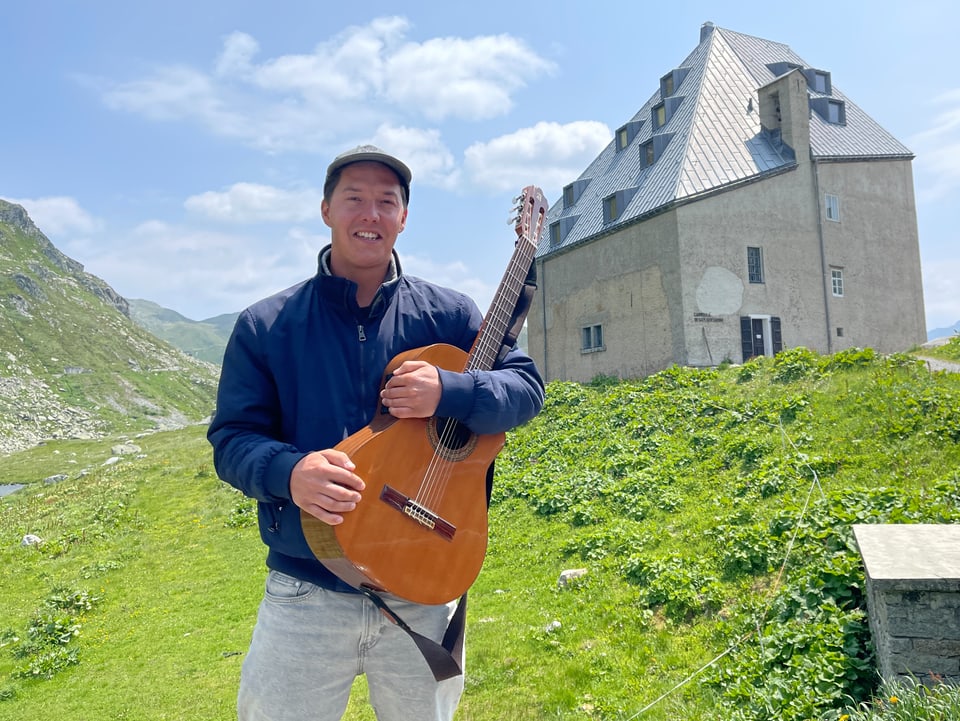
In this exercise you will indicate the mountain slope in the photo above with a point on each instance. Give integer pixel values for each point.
(72, 363)
(205, 339)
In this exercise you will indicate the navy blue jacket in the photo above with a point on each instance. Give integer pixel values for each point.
(302, 371)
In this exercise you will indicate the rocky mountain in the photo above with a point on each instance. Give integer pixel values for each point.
(203, 339)
(72, 362)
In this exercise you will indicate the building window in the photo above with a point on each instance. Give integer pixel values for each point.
(569, 198)
(821, 82)
(591, 338)
(627, 133)
(832, 203)
(555, 233)
(647, 154)
(839, 332)
(659, 116)
(836, 280)
(610, 211)
(755, 265)
(834, 113)
(667, 85)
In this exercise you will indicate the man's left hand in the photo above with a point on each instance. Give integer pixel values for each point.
(413, 391)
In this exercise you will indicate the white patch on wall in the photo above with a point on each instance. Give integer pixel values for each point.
(720, 292)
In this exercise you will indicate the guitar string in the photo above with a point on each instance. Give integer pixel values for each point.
(439, 470)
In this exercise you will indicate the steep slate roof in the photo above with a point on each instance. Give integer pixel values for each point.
(715, 138)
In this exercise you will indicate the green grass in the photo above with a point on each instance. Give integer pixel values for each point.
(680, 494)
(948, 351)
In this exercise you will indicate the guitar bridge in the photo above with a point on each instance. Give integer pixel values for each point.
(419, 513)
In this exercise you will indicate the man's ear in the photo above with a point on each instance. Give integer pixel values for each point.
(403, 221)
(325, 212)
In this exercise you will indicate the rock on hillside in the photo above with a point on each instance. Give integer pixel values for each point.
(72, 363)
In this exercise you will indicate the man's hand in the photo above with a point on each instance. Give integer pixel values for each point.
(324, 485)
(413, 391)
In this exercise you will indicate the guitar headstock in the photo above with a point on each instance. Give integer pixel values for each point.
(531, 210)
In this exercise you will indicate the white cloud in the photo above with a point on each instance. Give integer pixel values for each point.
(252, 203)
(201, 273)
(423, 151)
(349, 85)
(549, 155)
(456, 77)
(59, 215)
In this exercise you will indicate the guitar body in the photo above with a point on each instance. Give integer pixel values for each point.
(420, 529)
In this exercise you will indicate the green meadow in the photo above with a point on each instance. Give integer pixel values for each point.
(710, 510)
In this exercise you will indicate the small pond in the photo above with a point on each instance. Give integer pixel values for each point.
(7, 488)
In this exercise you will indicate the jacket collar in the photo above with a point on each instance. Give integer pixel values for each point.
(345, 291)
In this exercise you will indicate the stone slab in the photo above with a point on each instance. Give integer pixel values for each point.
(922, 556)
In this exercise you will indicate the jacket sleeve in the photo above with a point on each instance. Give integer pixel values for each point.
(496, 400)
(244, 433)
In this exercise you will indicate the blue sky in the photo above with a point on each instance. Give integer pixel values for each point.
(177, 149)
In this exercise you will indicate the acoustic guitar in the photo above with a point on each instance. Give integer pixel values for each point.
(420, 530)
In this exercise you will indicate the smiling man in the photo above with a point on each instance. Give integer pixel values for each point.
(302, 371)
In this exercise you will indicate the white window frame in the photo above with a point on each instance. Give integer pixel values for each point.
(836, 282)
(831, 207)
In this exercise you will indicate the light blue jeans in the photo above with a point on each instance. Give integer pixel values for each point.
(310, 643)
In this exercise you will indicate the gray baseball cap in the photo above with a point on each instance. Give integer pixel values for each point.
(375, 154)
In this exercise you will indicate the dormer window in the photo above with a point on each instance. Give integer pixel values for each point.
(659, 116)
(653, 148)
(818, 81)
(647, 155)
(627, 133)
(561, 228)
(614, 205)
(833, 111)
(670, 82)
(572, 192)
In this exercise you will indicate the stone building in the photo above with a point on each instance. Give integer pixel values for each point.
(749, 206)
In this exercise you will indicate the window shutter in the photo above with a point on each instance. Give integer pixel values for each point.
(746, 337)
(777, 337)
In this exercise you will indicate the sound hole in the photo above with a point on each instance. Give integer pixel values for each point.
(450, 439)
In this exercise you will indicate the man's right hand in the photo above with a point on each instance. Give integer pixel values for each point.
(324, 485)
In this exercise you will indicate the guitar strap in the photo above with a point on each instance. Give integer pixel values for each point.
(442, 658)
(520, 311)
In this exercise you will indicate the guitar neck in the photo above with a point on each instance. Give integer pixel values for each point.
(496, 322)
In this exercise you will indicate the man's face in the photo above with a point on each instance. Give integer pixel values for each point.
(365, 215)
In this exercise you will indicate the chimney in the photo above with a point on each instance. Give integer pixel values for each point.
(705, 30)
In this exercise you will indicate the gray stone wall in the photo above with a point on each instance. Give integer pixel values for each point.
(913, 599)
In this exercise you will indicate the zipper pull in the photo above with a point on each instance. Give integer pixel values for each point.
(361, 334)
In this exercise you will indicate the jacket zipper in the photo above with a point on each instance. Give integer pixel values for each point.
(360, 334)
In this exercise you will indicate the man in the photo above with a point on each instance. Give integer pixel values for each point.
(301, 372)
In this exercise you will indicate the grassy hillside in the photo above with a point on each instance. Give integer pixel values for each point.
(711, 510)
(72, 363)
(204, 339)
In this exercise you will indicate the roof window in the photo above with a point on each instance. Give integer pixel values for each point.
(627, 133)
(833, 111)
(670, 82)
(572, 192)
(615, 204)
(561, 228)
(818, 81)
